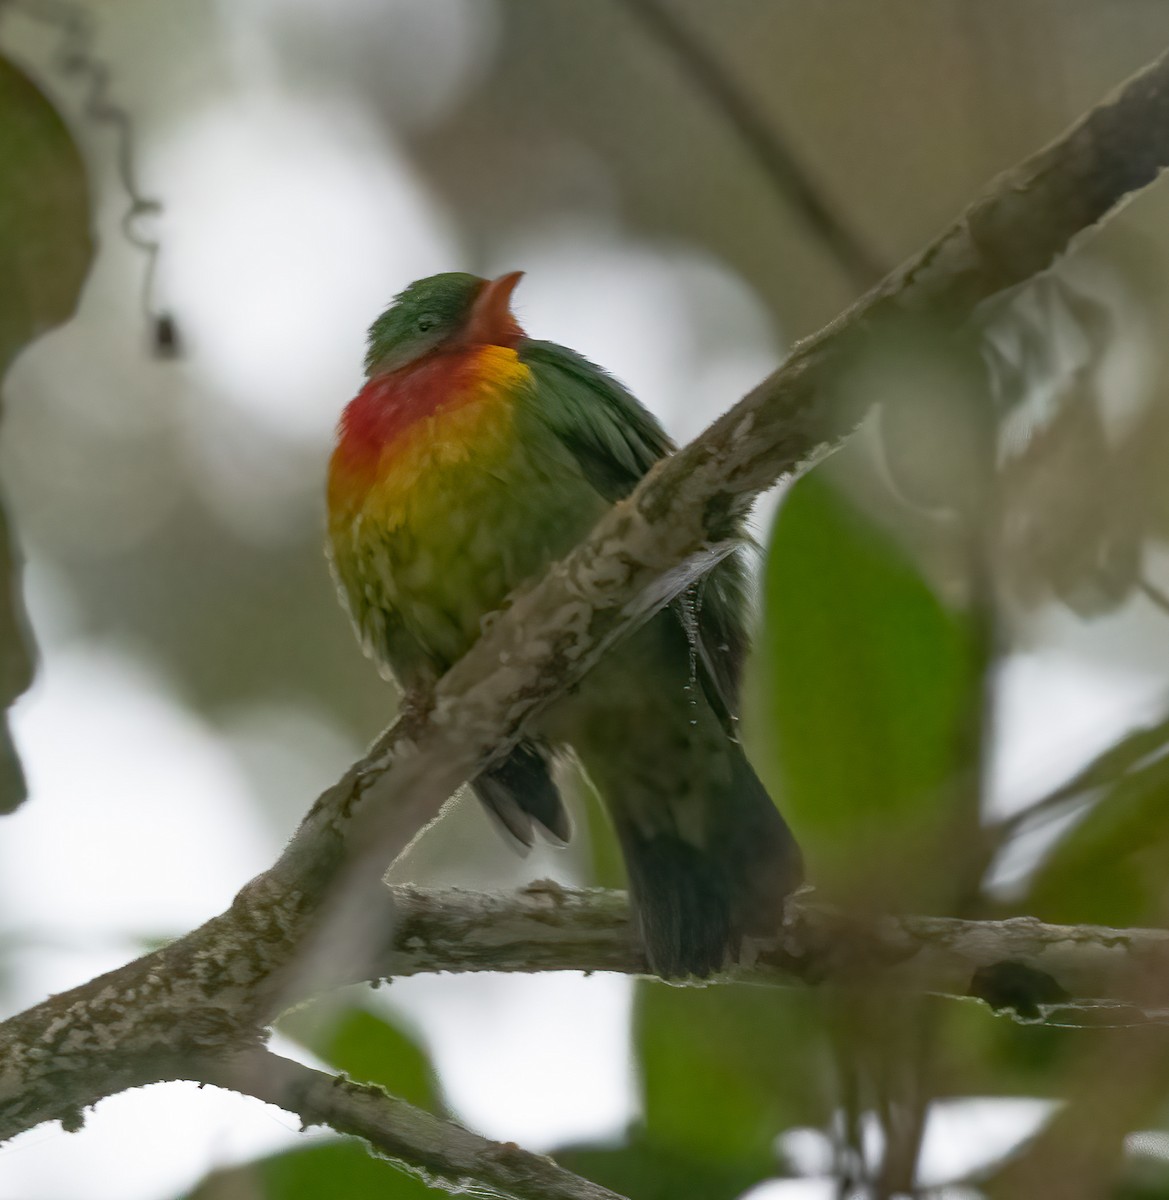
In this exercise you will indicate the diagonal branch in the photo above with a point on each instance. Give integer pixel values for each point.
(212, 992)
(442, 1153)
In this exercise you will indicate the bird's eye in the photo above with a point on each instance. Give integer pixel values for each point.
(425, 324)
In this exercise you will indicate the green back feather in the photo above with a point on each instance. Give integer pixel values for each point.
(613, 438)
(615, 441)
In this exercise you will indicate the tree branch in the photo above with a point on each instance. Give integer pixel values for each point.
(213, 991)
(1084, 974)
(440, 1152)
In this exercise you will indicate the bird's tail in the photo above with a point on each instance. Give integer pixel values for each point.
(694, 904)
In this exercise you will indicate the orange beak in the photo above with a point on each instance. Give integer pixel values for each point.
(492, 322)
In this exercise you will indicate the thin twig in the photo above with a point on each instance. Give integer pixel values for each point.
(1140, 751)
(438, 1151)
(1154, 594)
(791, 179)
(75, 57)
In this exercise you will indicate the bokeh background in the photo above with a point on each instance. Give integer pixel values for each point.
(196, 683)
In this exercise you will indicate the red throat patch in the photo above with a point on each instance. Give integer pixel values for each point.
(388, 405)
(384, 418)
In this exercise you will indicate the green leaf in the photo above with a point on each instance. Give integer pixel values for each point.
(45, 252)
(45, 242)
(329, 1170)
(608, 867)
(1145, 1175)
(1107, 768)
(364, 1045)
(726, 1069)
(1110, 869)
(979, 1053)
(646, 1170)
(871, 689)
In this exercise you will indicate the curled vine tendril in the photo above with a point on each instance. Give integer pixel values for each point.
(74, 58)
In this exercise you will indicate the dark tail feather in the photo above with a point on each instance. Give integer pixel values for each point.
(520, 790)
(695, 904)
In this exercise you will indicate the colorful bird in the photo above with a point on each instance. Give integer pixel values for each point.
(474, 457)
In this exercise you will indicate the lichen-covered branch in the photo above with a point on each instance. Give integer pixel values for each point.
(317, 916)
(442, 1153)
(1084, 974)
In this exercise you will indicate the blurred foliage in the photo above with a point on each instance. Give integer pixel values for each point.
(724, 1071)
(1138, 749)
(961, 91)
(45, 243)
(607, 866)
(364, 1045)
(316, 1172)
(927, 378)
(645, 1169)
(1111, 867)
(980, 1053)
(1081, 484)
(871, 683)
(760, 1051)
(1145, 1176)
(45, 252)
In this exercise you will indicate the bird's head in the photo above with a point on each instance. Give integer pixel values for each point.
(451, 311)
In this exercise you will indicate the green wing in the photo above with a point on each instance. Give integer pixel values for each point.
(613, 438)
(615, 441)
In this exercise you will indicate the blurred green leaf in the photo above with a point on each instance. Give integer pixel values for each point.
(1146, 1175)
(870, 683)
(645, 1170)
(332, 1170)
(364, 1045)
(1110, 869)
(45, 252)
(725, 1070)
(979, 1053)
(608, 867)
(45, 242)
(1105, 769)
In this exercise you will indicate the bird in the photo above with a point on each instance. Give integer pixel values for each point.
(471, 459)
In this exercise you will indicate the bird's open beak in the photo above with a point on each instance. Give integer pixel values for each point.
(492, 322)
